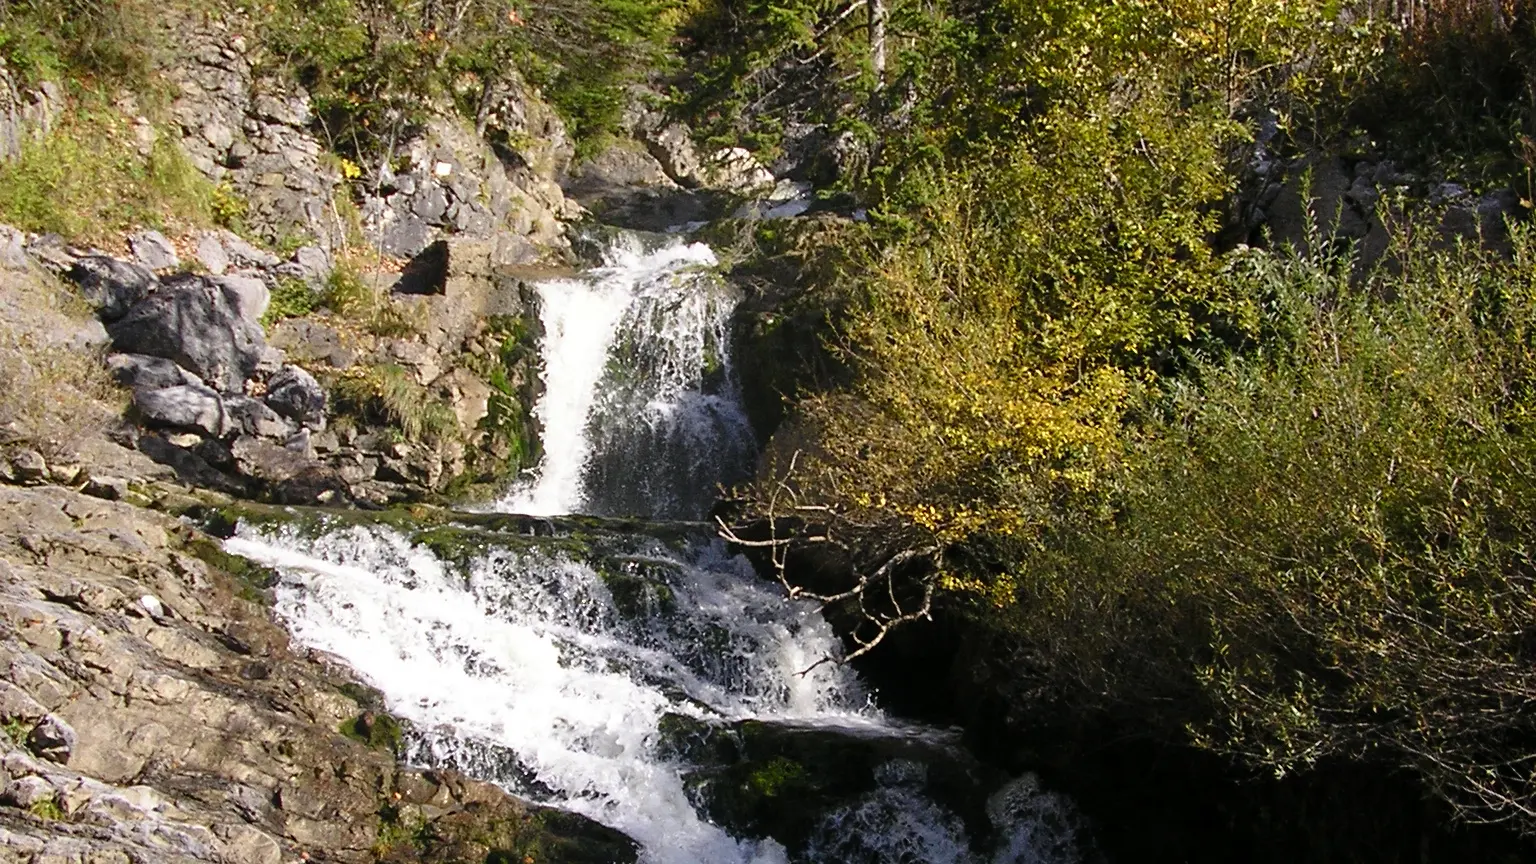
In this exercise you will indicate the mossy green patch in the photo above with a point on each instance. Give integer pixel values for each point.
(17, 730)
(253, 580)
(637, 589)
(376, 729)
(48, 810)
(778, 776)
(399, 832)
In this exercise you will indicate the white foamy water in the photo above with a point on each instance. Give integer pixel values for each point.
(640, 413)
(522, 668)
(526, 654)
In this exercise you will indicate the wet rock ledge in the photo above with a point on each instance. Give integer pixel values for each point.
(151, 711)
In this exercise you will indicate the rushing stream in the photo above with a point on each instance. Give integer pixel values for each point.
(623, 674)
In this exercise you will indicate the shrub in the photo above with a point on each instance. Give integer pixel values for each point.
(348, 294)
(388, 394)
(1322, 547)
(291, 298)
(107, 41)
(374, 66)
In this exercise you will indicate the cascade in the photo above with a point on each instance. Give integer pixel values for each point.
(641, 412)
(629, 676)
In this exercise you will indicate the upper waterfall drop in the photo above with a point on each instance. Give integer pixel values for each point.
(641, 411)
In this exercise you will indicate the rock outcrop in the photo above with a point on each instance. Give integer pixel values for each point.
(252, 135)
(152, 711)
(207, 325)
(457, 183)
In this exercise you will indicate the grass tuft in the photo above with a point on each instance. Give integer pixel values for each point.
(93, 178)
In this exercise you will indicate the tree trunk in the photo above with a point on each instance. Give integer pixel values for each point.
(877, 14)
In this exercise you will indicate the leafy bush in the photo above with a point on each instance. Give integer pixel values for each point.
(291, 298)
(1321, 547)
(106, 41)
(348, 294)
(375, 66)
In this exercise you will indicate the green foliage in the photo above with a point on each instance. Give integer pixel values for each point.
(754, 66)
(111, 42)
(1321, 547)
(48, 810)
(252, 580)
(389, 395)
(1000, 334)
(17, 730)
(1467, 70)
(778, 775)
(511, 443)
(376, 729)
(291, 298)
(399, 830)
(1271, 502)
(348, 294)
(376, 66)
(91, 179)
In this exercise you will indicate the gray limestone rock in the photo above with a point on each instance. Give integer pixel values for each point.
(29, 466)
(184, 407)
(13, 249)
(309, 341)
(270, 461)
(735, 169)
(672, 145)
(107, 488)
(113, 285)
(25, 792)
(204, 326)
(248, 294)
(153, 250)
(252, 417)
(211, 251)
(294, 393)
(53, 739)
(17, 706)
(142, 372)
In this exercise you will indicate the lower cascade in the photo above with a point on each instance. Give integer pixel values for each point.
(646, 679)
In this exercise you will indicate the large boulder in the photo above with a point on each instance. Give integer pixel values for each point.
(114, 286)
(621, 166)
(189, 406)
(200, 324)
(142, 372)
(295, 394)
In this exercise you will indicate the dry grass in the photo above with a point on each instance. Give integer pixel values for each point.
(53, 393)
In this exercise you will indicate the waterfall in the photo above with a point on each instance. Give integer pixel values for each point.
(641, 412)
(575, 668)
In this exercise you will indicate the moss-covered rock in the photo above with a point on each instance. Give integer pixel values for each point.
(376, 729)
(639, 587)
(500, 835)
(776, 780)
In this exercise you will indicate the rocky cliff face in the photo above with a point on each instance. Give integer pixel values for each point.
(252, 134)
